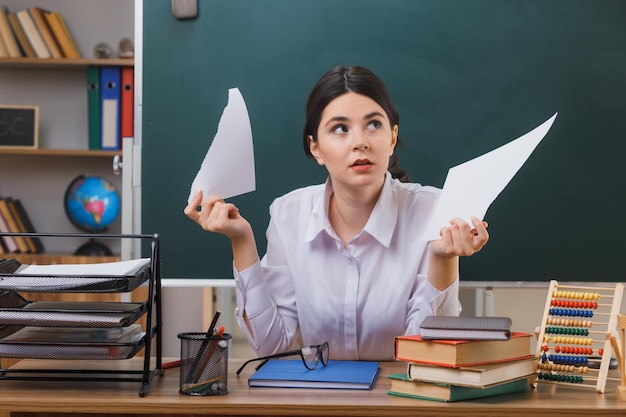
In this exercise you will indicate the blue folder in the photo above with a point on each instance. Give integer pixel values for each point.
(110, 80)
(337, 374)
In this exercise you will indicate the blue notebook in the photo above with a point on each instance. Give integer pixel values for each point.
(337, 374)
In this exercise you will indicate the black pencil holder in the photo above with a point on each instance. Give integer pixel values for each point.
(203, 364)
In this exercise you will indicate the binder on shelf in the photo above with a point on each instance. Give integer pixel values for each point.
(110, 107)
(110, 78)
(22, 39)
(38, 15)
(93, 107)
(32, 33)
(6, 34)
(127, 97)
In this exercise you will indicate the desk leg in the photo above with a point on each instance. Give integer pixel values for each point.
(484, 299)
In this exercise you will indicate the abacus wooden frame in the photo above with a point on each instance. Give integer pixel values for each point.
(611, 330)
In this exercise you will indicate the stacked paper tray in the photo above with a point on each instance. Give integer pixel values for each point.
(106, 277)
(16, 310)
(38, 342)
(82, 351)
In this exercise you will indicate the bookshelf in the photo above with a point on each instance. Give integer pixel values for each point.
(39, 177)
(63, 63)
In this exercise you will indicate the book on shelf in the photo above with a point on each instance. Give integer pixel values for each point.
(402, 386)
(456, 353)
(9, 243)
(38, 15)
(466, 328)
(62, 34)
(18, 221)
(476, 376)
(28, 224)
(22, 39)
(4, 52)
(6, 34)
(32, 33)
(11, 225)
(30, 246)
(359, 375)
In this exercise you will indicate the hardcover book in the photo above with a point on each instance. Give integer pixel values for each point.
(469, 328)
(21, 37)
(358, 375)
(38, 16)
(402, 386)
(6, 34)
(456, 353)
(32, 33)
(478, 376)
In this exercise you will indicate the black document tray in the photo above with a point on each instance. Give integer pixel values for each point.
(74, 283)
(16, 310)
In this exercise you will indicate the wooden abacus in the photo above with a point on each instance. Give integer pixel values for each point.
(574, 343)
(620, 352)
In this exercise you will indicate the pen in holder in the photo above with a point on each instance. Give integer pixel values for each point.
(203, 363)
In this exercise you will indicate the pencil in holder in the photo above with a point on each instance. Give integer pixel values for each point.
(203, 363)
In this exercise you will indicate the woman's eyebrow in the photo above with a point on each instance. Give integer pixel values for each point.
(345, 119)
(373, 114)
(336, 119)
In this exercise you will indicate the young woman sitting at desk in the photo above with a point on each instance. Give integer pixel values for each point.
(343, 261)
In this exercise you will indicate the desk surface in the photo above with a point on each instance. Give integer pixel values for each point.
(162, 397)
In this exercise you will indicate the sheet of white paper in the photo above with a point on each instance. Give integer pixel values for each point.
(112, 269)
(228, 166)
(471, 187)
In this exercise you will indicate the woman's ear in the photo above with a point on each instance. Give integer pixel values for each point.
(315, 150)
(394, 139)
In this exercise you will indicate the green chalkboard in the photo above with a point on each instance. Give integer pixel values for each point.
(467, 77)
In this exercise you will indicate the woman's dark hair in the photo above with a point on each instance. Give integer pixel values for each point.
(341, 80)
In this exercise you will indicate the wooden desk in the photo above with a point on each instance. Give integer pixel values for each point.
(38, 398)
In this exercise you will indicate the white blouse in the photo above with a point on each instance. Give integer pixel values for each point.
(309, 289)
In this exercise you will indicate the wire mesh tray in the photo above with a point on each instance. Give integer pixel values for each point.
(66, 350)
(68, 283)
(16, 310)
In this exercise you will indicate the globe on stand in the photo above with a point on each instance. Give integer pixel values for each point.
(92, 203)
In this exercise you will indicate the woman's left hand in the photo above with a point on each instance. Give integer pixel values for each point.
(459, 239)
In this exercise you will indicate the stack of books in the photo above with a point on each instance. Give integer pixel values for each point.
(15, 219)
(35, 33)
(480, 363)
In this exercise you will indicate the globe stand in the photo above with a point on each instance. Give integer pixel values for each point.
(93, 248)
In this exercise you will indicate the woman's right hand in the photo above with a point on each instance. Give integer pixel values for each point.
(217, 216)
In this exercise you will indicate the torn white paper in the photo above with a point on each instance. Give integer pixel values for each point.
(471, 187)
(228, 167)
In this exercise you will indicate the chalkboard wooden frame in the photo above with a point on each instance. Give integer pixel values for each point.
(13, 134)
(466, 76)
